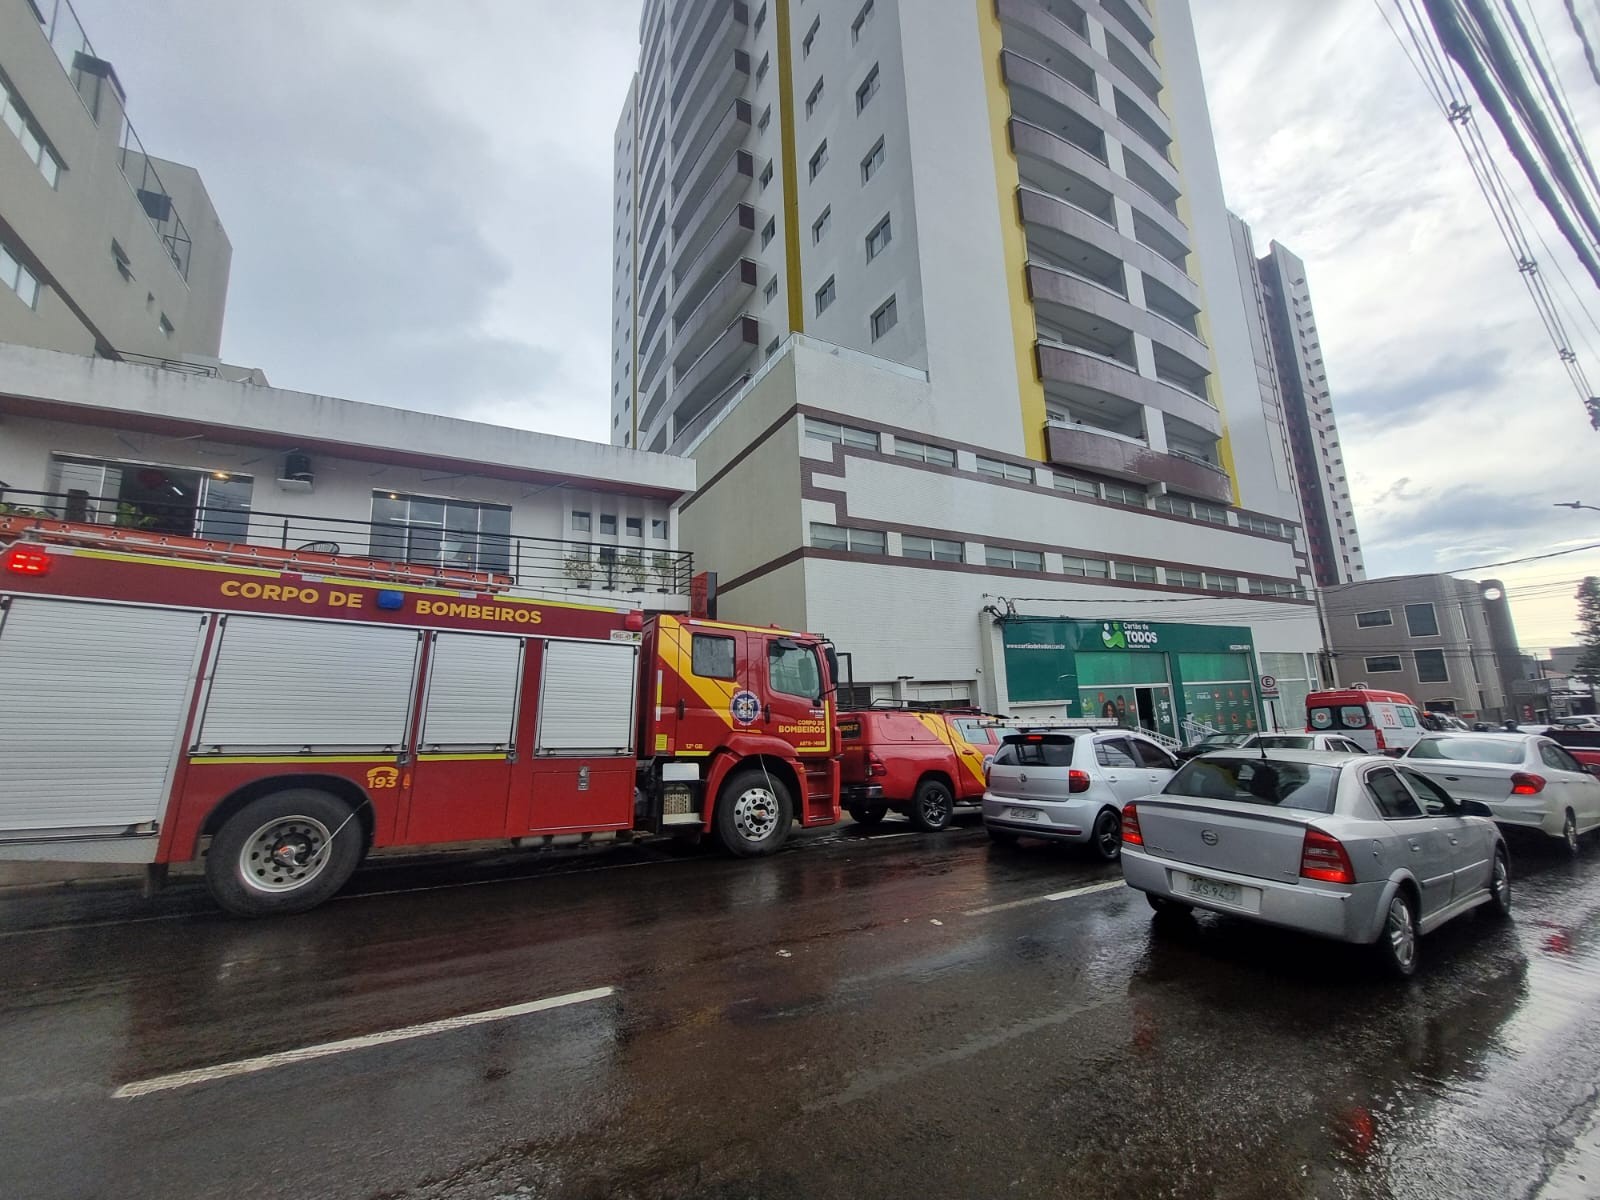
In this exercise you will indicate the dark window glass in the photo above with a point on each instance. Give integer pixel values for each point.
(1434, 798)
(1394, 801)
(1023, 751)
(1304, 786)
(792, 670)
(1152, 755)
(1421, 620)
(1114, 752)
(712, 657)
(1555, 756)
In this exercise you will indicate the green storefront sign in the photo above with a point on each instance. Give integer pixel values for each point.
(1154, 674)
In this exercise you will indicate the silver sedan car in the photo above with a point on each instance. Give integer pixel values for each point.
(1359, 849)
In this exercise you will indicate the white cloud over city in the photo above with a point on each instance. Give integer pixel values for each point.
(419, 199)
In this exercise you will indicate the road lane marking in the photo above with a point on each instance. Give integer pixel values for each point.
(265, 1062)
(1053, 896)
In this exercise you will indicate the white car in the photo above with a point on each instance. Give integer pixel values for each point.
(1070, 785)
(1527, 780)
(1332, 742)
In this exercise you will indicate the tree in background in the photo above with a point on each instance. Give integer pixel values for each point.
(1588, 668)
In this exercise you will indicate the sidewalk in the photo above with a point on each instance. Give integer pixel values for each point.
(1578, 1176)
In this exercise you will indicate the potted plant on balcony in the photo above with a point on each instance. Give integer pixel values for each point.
(666, 571)
(580, 568)
(633, 570)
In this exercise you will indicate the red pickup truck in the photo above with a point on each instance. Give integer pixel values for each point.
(919, 763)
(1582, 744)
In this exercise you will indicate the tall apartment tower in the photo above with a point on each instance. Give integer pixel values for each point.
(1330, 519)
(104, 248)
(942, 297)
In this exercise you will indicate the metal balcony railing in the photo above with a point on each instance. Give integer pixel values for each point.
(411, 553)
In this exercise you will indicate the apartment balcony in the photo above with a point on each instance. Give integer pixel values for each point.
(715, 84)
(1081, 374)
(721, 138)
(726, 242)
(1128, 24)
(1105, 453)
(1049, 221)
(1042, 145)
(710, 374)
(685, 432)
(691, 213)
(654, 400)
(1051, 287)
(1058, 22)
(698, 23)
(703, 315)
(1042, 98)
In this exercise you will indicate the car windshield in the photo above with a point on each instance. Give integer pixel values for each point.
(1469, 749)
(1281, 742)
(1307, 786)
(1034, 750)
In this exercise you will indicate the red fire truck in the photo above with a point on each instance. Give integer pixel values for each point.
(283, 721)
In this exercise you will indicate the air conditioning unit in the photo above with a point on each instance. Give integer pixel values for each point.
(296, 475)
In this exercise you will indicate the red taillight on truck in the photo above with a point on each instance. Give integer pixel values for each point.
(1078, 781)
(1377, 732)
(875, 764)
(1323, 857)
(26, 560)
(1524, 784)
(1132, 835)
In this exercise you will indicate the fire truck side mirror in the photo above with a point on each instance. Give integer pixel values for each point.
(832, 657)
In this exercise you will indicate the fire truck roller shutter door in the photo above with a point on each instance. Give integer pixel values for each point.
(472, 692)
(280, 685)
(91, 704)
(586, 698)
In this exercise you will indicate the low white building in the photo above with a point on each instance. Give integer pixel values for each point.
(155, 453)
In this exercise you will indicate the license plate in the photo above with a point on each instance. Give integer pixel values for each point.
(1022, 814)
(1213, 889)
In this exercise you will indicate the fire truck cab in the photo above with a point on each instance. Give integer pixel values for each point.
(280, 721)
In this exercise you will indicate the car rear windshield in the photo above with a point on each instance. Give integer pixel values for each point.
(1035, 750)
(1306, 786)
(1468, 749)
(1345, 716)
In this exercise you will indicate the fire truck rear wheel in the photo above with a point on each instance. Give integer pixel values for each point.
(754, 813)
(933, 806)
(283, 853)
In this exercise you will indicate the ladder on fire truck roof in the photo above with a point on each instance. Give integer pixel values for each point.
(304, 562)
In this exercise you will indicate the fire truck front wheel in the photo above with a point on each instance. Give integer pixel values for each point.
(754, 813)
(283, 853)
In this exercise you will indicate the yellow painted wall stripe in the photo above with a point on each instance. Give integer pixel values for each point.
(1030, 388)
(791, 181)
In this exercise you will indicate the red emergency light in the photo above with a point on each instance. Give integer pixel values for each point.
(26, 560)
(633, 621)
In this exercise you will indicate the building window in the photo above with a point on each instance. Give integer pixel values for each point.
(770, 292)
(1221, 583)
(161, 500)
(819, 227)
(1421, 620)
(1088, 568)
(772, 347)
(1431, 667)
(1135, 573)
(885, 318)
(938, 456)
(165, 326)
(1211, 513)
(1383, 664)
(873, 160)
(1015, 560)
(18, 278)
(878, 239)
(813, 98)
(580, 522)
(1272, 587)
(766, 175)
(1119, 494)
(633, 526)
(830, 431)
(935, 549)
(867, 90)
(608, 524)
(1184, 579)
(856, 541)
(860, 22)
(1176, 505)
(119, 256)
(450, 533)
(14, 117)
(1263, 525)
(1373, 618)
(658, 528)
(766, 119)
(825, 296)
(768, 231)
(810, 39)
(1078, 487)
(819, 158)
(761, 70)
(761, 18)
(1004, 470)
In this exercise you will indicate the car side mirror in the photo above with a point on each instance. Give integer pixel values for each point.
(1474, 808)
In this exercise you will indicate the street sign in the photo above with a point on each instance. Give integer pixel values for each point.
(1269, 687)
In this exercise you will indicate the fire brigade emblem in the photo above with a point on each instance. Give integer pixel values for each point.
(745, 707)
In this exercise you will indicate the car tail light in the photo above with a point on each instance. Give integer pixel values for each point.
(1323, 857)
(875, 764)
(1132, 835)
(1524, 784)
(1377, 731)
(1077, 781)
(26, 560)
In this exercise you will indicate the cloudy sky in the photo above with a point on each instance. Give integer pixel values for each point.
(419, 201)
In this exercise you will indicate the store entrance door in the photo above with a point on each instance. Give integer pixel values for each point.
(1155, 710)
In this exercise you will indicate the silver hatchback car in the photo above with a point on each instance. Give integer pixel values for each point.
(1359, 849)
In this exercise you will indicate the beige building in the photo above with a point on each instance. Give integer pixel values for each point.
(104, 248)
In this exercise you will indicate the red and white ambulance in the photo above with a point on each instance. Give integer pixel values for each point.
(1382, 722)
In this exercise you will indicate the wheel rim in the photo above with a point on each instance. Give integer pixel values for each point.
(284, 854)
(1402, 933)
(933, 807)
(1110, 834)
(755, 813)
(1569, 831)
(1501, 884)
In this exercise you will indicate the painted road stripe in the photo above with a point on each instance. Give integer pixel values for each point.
(248, 1066)
(1066, 895)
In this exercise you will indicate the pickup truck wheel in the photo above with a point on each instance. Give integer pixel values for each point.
(754, 813)
(283, 853)
(933, 806)
(868, 815)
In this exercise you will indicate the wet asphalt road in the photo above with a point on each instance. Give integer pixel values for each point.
(886, 1014)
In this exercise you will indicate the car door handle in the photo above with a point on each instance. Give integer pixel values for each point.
(1416, 846)
(1454, 840)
